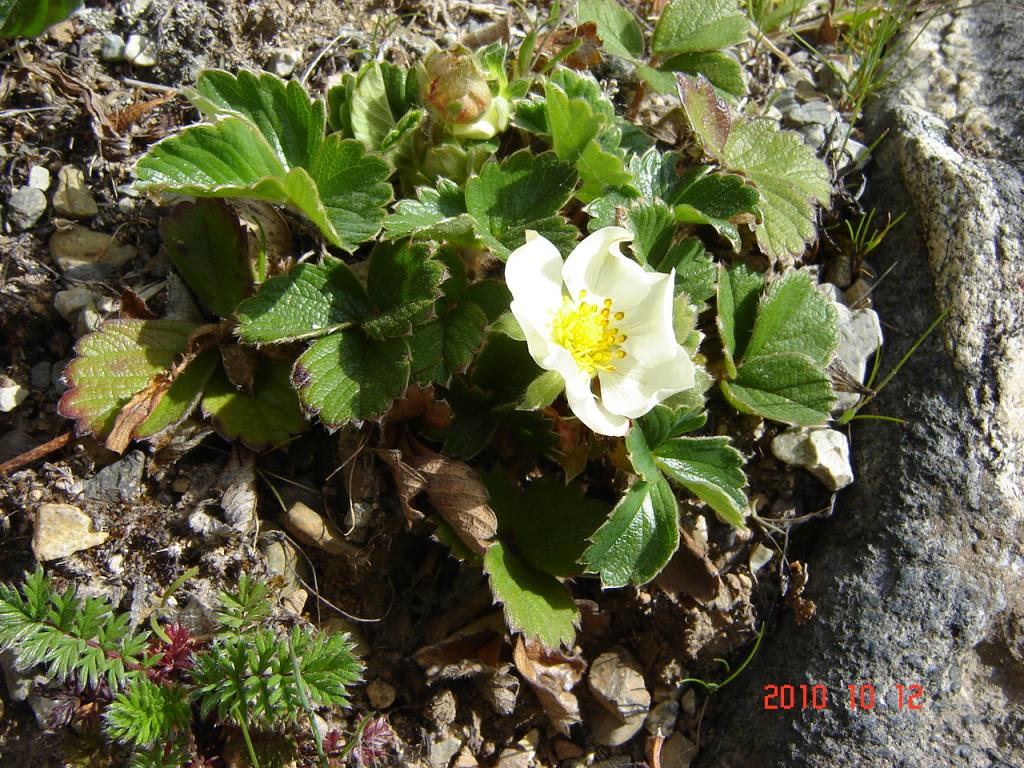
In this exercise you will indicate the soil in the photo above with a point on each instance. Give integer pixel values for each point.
(402, 592)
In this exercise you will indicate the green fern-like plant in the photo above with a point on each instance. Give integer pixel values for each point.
(251, 675)
(83, 639)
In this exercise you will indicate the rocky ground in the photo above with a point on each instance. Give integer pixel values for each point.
(79, 106)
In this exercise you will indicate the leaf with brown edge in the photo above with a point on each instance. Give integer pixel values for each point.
(116, 363)
(552, 675)
(708, 115)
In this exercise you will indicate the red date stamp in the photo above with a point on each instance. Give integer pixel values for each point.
(859, 696)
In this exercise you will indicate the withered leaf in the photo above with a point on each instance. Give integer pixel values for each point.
(552, 675)
(408, 482)
(240, 364)
(588, 53)
(452, 488)
(136, 411)
(690, 572)
(421, 403)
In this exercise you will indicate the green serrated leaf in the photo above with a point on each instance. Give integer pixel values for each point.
(492, 296)
(348, 376)
(291, 122)
(794, 317)
(505, 368)
(353, 190)
(404, 128)
(572, 124)
(370, 111)
(722, 70)
(182, 397)
(116, 362)
(698, 25)
(662, 423)
(268, 417)
(446, 345)
(535, 603)
(543, 390)
(695, 271)
(403, 281)
(208, 247)
(264, 144)
(739, 289)
(717, 195)
(620, 32)
(584, 86)
(790, 178)
(547, 523)
(600, 169)
(638, 539)
(661, 82)
(788, 387)
(436, 214)
(711, 469)
(30, 18)
(309, 301)
(524, 191)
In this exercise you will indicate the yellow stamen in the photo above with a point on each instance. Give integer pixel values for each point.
(585, 332)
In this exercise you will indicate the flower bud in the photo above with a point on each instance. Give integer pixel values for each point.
(455, 87)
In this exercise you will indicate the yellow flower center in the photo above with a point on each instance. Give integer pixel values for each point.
(586, 331)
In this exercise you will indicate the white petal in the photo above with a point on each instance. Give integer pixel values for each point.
(536, 338)
(533, 274)
(588, 409)
(650, 337)
(633, 388)
(597, 266)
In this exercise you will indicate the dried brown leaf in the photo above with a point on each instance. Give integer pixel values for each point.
(552, 675)
(136, 411)
(408, 482)
(458, 495)
(240, 364)
(690, 572)
(237, 484)
(453, 489)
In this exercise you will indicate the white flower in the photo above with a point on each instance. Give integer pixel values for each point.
(599, 315)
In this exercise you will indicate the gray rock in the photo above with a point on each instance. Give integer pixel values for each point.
(83, 254)
(617, 683)
(815, 135)
(817, 112)
(283, 61)
(61, 530)
(441, 748)
(381, 694)
(72, 197)
(919, 574)
(39, 376)
(120, 481)
(860, 334)
(141, 51)
(39, 178)
(12, 394)
(112, 48)
(14, 443)
(661, 720)
(825, 453)
(678, 752)
(25, 207)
